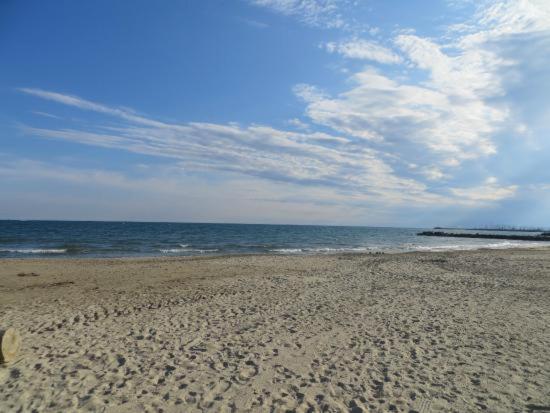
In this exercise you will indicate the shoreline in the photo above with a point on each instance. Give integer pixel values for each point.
(65, 257)
(454, 331)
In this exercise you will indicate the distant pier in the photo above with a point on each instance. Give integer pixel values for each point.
(540, 237)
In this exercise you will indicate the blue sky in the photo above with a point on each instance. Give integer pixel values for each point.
(276, 111)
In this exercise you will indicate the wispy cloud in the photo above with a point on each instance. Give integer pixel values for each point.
(170, 194)
(347, 168)
(255, 23)
(84, 104)
(312, 158)
(454, 115)
(298, 124)
(448, 115)
(489, 191)
(45, 114)
(433, 173)
(396, 136)
(319, 13)
(363, 50)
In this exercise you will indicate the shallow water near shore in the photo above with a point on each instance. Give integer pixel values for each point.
(25, 239)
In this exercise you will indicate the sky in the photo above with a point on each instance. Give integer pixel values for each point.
(343, 112)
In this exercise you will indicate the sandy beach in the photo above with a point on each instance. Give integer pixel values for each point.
(424, 332)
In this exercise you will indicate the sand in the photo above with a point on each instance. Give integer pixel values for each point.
(425, 332)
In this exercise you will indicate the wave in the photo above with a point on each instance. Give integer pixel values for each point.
(409, 247)
(203, 251)
(34, 250)
(185, 248)
(318, 250)
(471, 247)
(172, 250)
(346, 249)
(287, 250)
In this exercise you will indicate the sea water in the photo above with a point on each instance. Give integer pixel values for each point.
(123, 239)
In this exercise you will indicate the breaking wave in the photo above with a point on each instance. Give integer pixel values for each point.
(185, 248)
(34, 250)
(325, 250)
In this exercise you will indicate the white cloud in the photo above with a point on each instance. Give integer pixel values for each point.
(456, 112)
(433, 173)
(347, 171)
(308, 93)
(169, 193)
(298, 124)
(312, 158)
(444, 104)
(364, 50)
(45, 114)
(469, 73)
(489, 191)
(84, 104)
(320, 13)
(514, 16)
(382, 109)
(166, 193)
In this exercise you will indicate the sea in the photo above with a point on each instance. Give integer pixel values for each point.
(25, 239)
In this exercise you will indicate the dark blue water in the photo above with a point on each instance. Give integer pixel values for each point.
(120, 239)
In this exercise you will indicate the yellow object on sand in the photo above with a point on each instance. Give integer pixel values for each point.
(10, 343)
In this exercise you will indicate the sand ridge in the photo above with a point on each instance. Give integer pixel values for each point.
(460, 331)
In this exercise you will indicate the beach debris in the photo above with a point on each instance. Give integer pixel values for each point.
(60, 283)
(28, 274)
(10, 343)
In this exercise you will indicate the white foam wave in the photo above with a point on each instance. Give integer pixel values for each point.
(287, 250)
(35, 250)
(172, 250)
(326, 250)
(346, 249)
(185, 248)
(411, 247)
(471, 247)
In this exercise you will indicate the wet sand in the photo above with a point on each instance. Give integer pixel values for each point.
(425, 332)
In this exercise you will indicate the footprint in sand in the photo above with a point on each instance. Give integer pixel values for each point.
(249, 370)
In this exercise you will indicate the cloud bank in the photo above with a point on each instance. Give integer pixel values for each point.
(404, 136)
